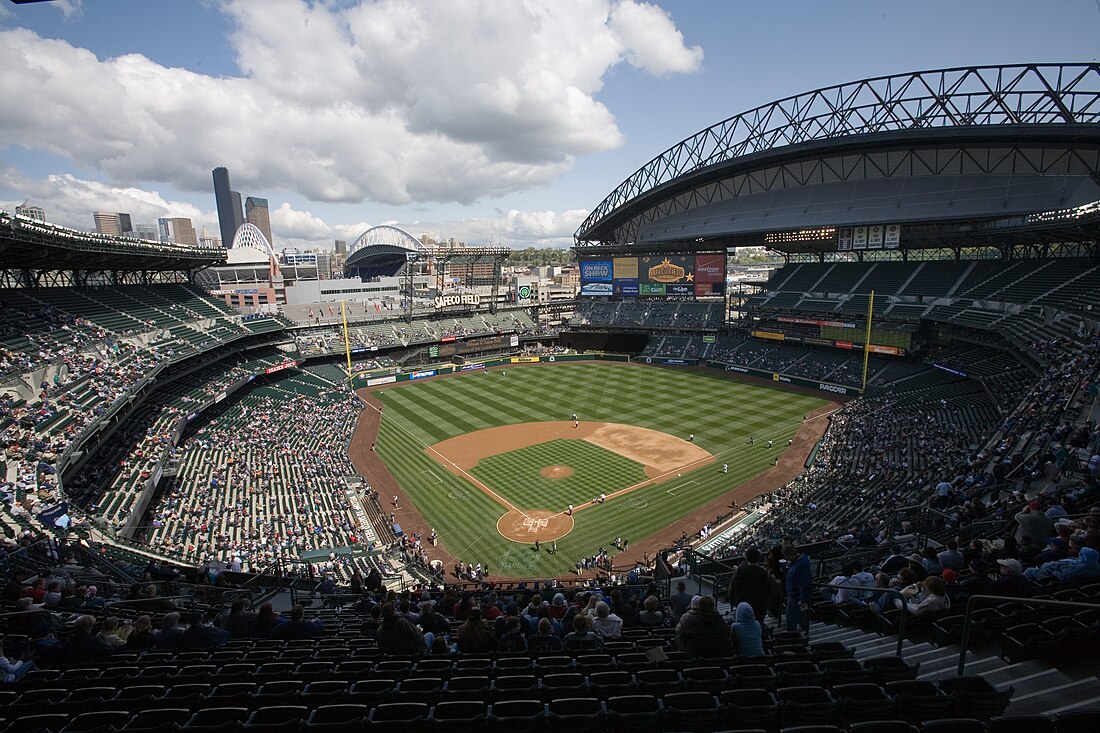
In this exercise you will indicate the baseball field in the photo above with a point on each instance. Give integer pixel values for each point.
(492, 460)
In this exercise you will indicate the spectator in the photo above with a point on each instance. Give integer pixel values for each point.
(951, 557)
(82, 647)
(582, 638)
(753, 584)
(396, 634)
(1011, 581)
(702, 632)
(513, 641)
(651, 616)
(475, 636)
(168, 637)
(141, 638)
(607, 624)
(545, 641)
(199, 635)
(680, 601)
(11, 670)
(746, 632)
(799, 590)
(297, 627)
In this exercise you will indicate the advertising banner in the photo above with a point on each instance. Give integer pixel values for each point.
(524, 360)
(423, 374)
(381, 380)
(669, 362)
(513, 340)
(651, 289)
(876, 349)
(667, 268)
(710, 268)
(768, 335)
(816, 322)
(893, 236)
(628, 288)
(680, 289)
(595, 271)
(710, 288)
(288, 364)
(625, 268)
(472, 366)
(596, 289)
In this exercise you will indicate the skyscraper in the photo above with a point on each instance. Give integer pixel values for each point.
(107, 222)
(341, 247)
(256, 213)
(230, 217)
(125, 225)
(178, 230)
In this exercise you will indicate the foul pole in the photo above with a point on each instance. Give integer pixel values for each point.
(347, 344)
(867, 339)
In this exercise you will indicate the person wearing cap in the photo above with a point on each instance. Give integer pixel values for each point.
(916, 564)
(955, 592)
(977, 582)
(895, 562)
(702, 632)
(1056, 549)
(1011, 581)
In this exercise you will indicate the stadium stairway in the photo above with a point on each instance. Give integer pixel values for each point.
(1039, 687)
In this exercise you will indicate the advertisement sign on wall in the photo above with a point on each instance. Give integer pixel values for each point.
(710, 268)
(595, 271)
(651, 288)
(625, 268)
(667, 268)
(596, 289)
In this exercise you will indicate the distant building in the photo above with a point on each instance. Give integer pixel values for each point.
(341, 247)
(108, 222)
(177, 230)
(257, 214)
(209, 240)
(230, 217)
(31, 212)
(146, 231)
(125, 225)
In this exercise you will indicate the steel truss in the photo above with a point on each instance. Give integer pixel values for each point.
(964, 97)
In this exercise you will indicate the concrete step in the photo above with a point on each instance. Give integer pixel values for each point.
(1073, 695)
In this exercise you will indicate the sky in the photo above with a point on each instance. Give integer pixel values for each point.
(498, 122)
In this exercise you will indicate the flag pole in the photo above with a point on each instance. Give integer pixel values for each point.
(867, 339)
(347, 343)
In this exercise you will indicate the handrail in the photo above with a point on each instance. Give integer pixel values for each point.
(881, 592)
(973, 600)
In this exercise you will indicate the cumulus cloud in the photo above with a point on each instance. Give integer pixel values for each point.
(397, 101)
(651, 40)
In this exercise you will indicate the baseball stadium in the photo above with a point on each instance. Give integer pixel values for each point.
(879, 453)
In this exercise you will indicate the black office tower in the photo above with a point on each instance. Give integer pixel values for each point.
(223, 197)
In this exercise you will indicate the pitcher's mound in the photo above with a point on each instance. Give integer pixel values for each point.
(535, 524)
(557, 472)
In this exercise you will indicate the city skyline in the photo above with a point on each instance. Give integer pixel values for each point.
(504, 123)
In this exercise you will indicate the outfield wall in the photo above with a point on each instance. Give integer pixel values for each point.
(376, 379)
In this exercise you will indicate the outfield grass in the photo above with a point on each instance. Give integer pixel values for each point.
(722, 414)
(515, 474)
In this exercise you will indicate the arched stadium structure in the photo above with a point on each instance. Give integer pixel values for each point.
(155, 438)
(382, 251)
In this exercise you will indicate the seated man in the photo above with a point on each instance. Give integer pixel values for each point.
(297, 627)
(582, 638)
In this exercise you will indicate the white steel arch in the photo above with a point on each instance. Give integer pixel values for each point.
(249, 235)
(387, 234)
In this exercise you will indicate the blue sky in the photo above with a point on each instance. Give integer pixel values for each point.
(486, 121)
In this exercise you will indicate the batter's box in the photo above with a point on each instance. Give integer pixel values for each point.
(534, 524)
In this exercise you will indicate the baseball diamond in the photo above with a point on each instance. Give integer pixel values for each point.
(492, 437)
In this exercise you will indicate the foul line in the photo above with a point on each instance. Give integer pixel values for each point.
(677, 488)
(454, 467)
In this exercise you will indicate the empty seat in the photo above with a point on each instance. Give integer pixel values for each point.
(865, 701)
(658, 682)
(467, 688)
(953, 725)
(750, 707)
(513, 713)
(976, 698)
(371, 692)
(565, 684)
(603, 685)
(920, 700)
(327, 692)
(458, 716)
(277, 717)
(634, 714)
(158, 719)
(209, 719)
(336, 718)
(692, 711)
(51, 722)
(576, 714)
(707, 679)
(844, 671)
(397, 716)
(791, 674)
(1079, 721)
(428, 690)
(753, 675)
(98, 720)
(1023, 724)
(882, 726)
(807, 705)
(515, 687)
(890, 669)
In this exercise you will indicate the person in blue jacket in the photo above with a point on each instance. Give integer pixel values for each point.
(799, 589)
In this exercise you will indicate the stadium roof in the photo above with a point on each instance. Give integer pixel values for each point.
(34, 245)
(950, 156)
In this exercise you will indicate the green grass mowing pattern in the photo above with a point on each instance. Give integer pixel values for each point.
(721, 412)
(516, 476)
